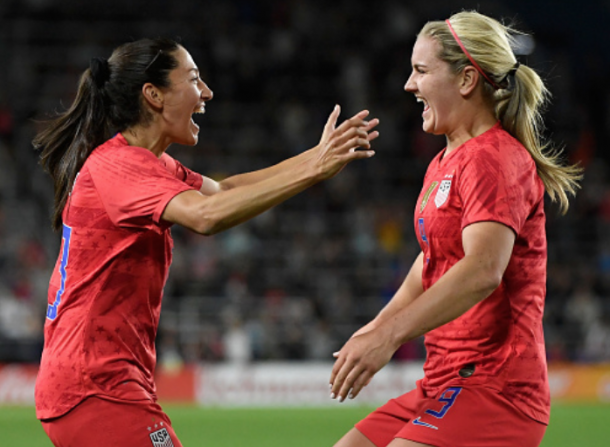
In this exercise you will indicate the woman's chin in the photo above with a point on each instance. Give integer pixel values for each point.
(188, 140)
(431, 128)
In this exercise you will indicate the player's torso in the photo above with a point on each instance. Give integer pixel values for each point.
(98, 259)
(437, 217)
(502, 335)
(104, 302)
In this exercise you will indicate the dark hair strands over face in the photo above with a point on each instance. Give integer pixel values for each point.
(108, 100)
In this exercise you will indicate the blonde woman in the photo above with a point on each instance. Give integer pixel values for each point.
(477, 288)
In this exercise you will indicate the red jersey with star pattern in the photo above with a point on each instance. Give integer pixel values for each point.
(105, 292)
(489, 178)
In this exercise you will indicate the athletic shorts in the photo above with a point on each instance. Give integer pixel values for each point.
(97, 422)
(458, 417)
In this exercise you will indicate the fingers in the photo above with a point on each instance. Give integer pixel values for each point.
(338, 144)
(357, 135)
(373, 135)
(371, 124)
(331, 122)
(363, 380)
(338, 378)
(345, 374)
(347, 148)
(358, 121)
(345, 131)
(336, 368)
(348, 380)
(348, 384)
(352, 127)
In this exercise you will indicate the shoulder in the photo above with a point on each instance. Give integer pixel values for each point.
(117, 154)
(499, 148)
(168, 161)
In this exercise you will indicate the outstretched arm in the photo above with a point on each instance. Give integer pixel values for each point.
(250, 194)
(249, 178)
(487, 247)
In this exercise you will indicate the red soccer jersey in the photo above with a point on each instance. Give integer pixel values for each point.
(489, 178)
(105, 292)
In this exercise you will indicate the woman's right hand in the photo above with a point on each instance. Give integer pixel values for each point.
(339, 145)
(360, 358)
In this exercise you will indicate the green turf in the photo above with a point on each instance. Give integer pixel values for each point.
(571, 426)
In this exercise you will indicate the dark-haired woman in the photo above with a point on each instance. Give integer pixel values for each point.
(117, 193)
(477, 288)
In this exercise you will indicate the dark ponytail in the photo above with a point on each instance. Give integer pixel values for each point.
(108, 100)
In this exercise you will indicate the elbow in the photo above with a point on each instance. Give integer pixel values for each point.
(208, 228)
(484, 276)
(489, 280)
(207, 225)
(495, 279)
(211, 220)
(204, 231)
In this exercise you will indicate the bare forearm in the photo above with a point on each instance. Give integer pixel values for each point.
(214, 208)
(488, 247)
(236, 205)
(464, 285)
(250, 178)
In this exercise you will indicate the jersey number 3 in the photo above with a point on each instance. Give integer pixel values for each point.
(52, 309)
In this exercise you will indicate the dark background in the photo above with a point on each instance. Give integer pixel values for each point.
(295, 282)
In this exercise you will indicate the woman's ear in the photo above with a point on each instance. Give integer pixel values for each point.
(468, 80)
(153, 96)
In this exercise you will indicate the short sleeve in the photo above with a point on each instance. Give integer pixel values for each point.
(135, 186)
(498, 186)
(181, 172)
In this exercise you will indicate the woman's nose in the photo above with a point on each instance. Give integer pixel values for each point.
(206, 93)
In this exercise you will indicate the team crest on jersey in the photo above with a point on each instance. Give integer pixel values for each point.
(424, 200)
(161, 438)
(442, 193)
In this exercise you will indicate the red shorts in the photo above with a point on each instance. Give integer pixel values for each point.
(97, 422)
(458, 417)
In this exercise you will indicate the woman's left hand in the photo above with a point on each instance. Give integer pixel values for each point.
(339, 144)
(358, 361)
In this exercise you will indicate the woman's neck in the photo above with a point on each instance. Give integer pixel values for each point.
(145, 137)
(477, 123)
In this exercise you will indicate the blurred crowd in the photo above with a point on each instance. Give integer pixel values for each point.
(295, 282)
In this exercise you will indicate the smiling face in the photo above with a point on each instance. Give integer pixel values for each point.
(185, 96)
(435, 85)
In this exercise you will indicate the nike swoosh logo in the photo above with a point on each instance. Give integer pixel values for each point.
(423, 424)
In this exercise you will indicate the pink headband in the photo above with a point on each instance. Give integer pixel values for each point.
(479, 69)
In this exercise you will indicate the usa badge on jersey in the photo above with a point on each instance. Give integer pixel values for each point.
(161, 438)
(442, 193)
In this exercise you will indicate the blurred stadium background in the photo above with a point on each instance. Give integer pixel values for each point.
(282, 292)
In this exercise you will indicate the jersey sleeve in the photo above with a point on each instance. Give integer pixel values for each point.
(498, 188)
(135, 186)
(181, 172)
